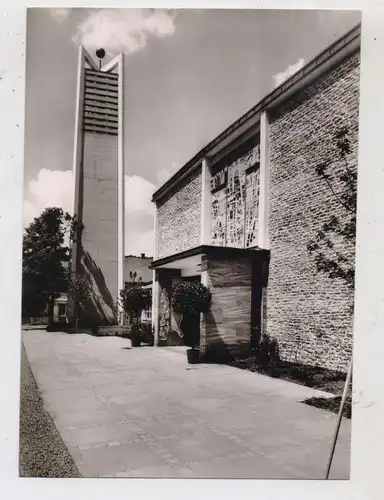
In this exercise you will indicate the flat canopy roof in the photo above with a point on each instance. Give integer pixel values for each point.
(192, 256)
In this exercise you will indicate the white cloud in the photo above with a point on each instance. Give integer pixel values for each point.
(125, 30)
(60, 15)
(279, 78)
(138, 195)
(54, 188)
(51, 188)
(162, 176)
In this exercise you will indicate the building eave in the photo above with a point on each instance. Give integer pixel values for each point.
(342, 48)
(211, 251)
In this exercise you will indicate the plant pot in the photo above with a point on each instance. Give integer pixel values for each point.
(193, 356)
(135, 342)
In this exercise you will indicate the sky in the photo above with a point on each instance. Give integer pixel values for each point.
(189, 75)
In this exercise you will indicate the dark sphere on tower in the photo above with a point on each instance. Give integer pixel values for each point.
(100, 53)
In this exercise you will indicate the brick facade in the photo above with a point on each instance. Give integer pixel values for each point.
(307, 312)
(269, 191)
(179, 218)
(138, 265)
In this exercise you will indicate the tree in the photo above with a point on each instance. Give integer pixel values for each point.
(333, 246)
(80, 290)
(46, 257)
(135, 297)
(190, 299)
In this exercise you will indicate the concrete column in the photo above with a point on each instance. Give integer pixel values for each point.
(204, 317)
(78, 150)
(78, 145)
(264, 181)
(155, 306)
(205, 232)
(121, 191)
(155, 234)
(155, 286)
(204, 270)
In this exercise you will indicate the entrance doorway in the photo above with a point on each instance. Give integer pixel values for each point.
(191, 322)
(259, 298)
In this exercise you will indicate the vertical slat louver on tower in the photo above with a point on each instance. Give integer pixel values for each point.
(101, 105)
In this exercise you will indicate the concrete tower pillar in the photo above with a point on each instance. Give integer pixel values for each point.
(98, 168)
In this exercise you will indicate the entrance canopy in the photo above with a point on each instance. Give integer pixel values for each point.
(192, 257)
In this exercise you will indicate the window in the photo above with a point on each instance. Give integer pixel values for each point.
(62, 309)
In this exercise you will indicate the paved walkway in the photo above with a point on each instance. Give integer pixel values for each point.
(144, 412)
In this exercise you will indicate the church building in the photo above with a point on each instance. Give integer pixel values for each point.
(239, 216)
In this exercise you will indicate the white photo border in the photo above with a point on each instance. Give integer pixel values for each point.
(368, 416)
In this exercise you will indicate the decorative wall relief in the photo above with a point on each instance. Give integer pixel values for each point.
(169, 331)
(218, 230)
(235, 206)
(252, 187)
(235, 201)
(219, 180)
(165, 315)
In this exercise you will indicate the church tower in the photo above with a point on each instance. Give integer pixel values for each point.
(98, 172)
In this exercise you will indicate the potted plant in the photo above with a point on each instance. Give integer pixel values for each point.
(189, 300)
(135, 298)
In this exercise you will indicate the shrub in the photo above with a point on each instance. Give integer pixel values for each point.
(300, 373)
(80, 290)
(191, 297)
(267, 352)
(145, 333)
(331, 404)
(135, 298)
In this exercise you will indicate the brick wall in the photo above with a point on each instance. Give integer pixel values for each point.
(138, 265)
(179, 218)
(306, 311)
(99, 239)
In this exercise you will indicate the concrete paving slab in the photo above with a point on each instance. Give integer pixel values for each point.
(144, 412)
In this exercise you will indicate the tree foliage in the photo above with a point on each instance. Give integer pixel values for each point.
(191, 297)
(333, 246)
(135, 297)
(79, 290)
(46, 257)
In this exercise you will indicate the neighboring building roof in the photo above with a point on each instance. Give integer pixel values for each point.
(346, 45)
(140, 265)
